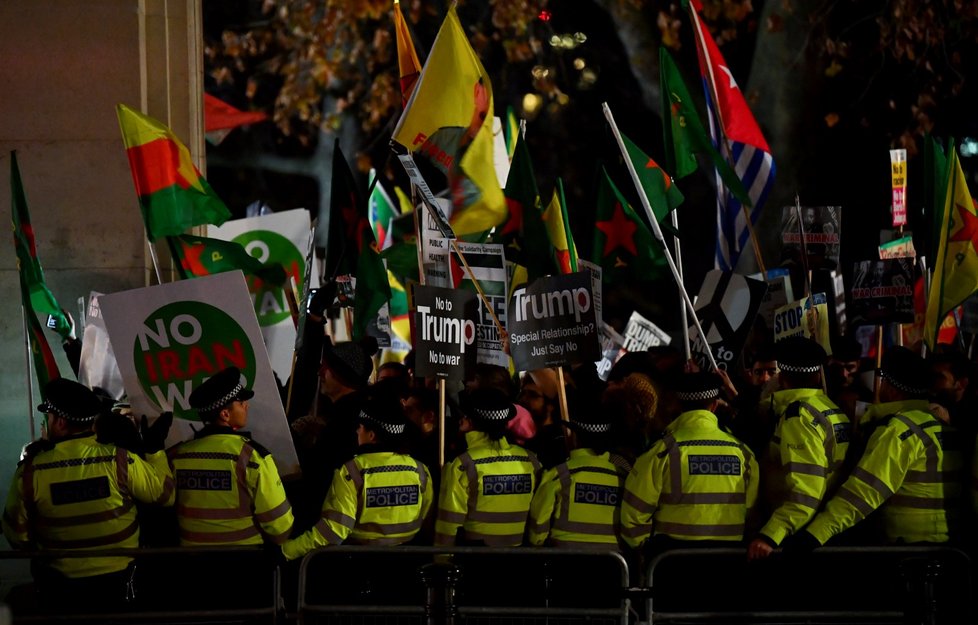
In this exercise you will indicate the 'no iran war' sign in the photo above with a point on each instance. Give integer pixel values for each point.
(445, 331)
(551, 323)
(169, 338)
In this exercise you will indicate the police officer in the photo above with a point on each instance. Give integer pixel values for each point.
(228, 488)
(910, 471)
(380, 497)
(72, 492)
(696, 485)
(577, 503)
(486, 491)
(806, 455)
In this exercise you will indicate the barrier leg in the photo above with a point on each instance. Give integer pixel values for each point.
(440, 579)
(920, 576)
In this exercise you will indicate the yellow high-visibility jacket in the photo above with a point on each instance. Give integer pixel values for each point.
(80, 494)
(805, 459)
(911, 470)
(696, 483)
(378, 498)
(578, 502)
(228, 491)
(486, 491)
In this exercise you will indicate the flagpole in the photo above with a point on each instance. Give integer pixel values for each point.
(156, 261)
(726, 148)
(30, 378)
(679, 265)
(804, 248)
(655, 226)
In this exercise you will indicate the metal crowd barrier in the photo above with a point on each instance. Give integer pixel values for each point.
(902, 585)
(503, 586)
(164, 594)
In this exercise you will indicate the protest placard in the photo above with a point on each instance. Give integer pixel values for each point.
(779, 293)
(551, 323)
(726, 306)
(488, 264)
(283, 239)
(882, 292)
(611, 349)
(641, 334)
(444, 332)
(808, 317)
(97, 365)
(171, 337)
(597, 288)
(823, 235)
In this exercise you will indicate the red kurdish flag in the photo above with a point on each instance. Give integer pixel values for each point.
(173, 196)
(409, 66)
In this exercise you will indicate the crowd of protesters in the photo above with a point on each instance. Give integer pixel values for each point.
(793, 450)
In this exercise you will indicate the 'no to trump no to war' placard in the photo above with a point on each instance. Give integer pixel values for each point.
(445, 331)
(169, 338)
(551, 323)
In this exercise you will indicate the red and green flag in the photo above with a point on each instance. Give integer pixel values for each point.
(623, 245)
(203, 256)
(34, 293)
(351, 248)
(173, 196)
(409, 67)
(684, 134)
(663, 195)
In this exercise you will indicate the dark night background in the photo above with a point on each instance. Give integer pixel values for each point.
(841, 125)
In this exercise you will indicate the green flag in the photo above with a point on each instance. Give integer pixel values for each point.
(381, 211)
(623, 245)
(662, 193)
(351, 247)
(34, 294)
(683, 131)
(202, 256)
(935, 187)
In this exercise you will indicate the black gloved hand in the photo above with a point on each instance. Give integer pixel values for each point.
(800, 544)
(274, 554)
(322, 299)
(154, 436)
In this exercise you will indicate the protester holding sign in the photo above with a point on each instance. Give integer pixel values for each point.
(380, 497)
(695, 487)
(806, 454)
(486, 491)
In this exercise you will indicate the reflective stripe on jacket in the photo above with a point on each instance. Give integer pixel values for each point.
(911, 471)
(378, 498)
(696, 483)
(81, 495)
(487, 491)
(805, 459)
(578, 502)
(228, 491)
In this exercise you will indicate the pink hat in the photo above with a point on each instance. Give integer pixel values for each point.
(522, 426)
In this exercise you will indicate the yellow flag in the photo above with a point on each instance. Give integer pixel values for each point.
(558, 231)
(449, 120)
(956, 265)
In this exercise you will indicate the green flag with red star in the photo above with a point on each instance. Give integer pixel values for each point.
(623, 245)
(351, 247)
(203, 256)
(662, 193)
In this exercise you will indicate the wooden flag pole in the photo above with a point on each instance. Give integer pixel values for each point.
(441, 422)
(723, 144)
(655, 227)
(562, 396)
(879, 363)
(804, 248)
